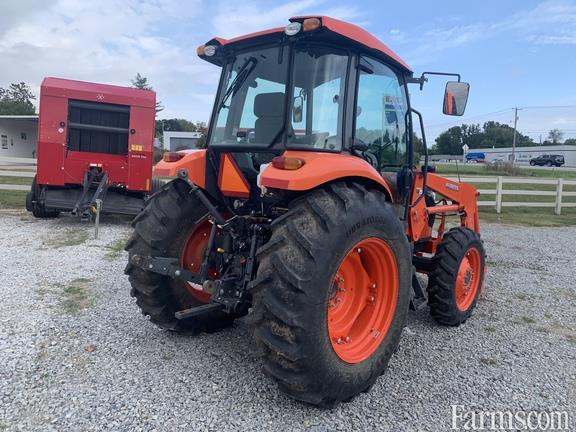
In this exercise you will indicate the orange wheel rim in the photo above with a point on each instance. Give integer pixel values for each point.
(363, 300)
(193, 255)
(468, 279)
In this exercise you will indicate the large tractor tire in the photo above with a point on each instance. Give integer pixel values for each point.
(457, 276)
(173, 224)
(331, 294)
(33, 205)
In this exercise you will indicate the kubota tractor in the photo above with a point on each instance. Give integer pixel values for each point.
(306, 211)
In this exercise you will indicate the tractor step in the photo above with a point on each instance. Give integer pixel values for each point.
(198, 310)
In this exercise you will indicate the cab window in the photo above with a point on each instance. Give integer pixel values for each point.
(380, 115)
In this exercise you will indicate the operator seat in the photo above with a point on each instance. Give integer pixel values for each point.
(269, 112)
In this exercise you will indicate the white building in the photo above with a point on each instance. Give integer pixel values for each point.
(524, 154)
(174, 141)
(18, 135)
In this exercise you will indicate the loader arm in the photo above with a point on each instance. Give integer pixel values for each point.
(452, 197)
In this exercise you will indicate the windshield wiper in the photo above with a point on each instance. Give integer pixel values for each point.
(243, 74)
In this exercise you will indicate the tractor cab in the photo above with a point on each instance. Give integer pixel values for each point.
(317, 88)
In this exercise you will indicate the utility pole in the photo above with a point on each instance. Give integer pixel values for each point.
(514, 138)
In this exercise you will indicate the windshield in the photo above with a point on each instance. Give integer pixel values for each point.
(251, 111)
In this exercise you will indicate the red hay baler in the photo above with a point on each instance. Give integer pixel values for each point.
(95, 141)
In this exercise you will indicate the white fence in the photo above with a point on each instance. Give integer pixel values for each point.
(499, 191)
(22, 168)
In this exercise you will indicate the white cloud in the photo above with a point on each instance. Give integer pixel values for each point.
(105, 41)
(551, 22)
(250, 16)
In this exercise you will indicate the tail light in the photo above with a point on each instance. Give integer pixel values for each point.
(172, 156)
(287, 163)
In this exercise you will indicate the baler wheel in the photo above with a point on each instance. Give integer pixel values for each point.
(339, 242)
(456, 281)
(38, 210)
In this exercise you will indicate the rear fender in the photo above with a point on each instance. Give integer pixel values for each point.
(322, 168)
(194, 162)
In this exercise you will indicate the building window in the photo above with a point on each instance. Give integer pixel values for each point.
(4, 142)
(23, 135)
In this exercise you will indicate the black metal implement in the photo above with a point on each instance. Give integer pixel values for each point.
(166, 267)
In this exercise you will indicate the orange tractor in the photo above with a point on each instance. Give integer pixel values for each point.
(306, 211)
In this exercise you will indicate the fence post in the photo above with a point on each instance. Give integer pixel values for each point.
(559, 190)
(499, 195)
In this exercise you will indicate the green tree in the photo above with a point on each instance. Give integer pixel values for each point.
(16, 100)
(141, 82)
(555, 135)
(449, 142)
(570, 141)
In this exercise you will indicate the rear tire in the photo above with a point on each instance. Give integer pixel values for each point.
(456, 280)
(532, 163)
(296, 285)
(548, 164)
(162, 229)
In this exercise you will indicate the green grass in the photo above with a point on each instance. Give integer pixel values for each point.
(16, 180)
(67, 237)
(12, 199)
(115, 249)
(486, 170)
(76, 296)
(529, 216)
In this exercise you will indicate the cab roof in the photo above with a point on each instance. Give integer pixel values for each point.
(352, 33)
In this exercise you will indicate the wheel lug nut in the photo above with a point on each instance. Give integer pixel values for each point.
(347, 339)
(372, 299)
(374, 285)
(339, 341)
(359, 250)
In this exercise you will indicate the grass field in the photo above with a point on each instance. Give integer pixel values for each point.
(16, 180)
(487, 170)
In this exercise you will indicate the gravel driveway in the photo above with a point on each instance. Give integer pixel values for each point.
(76, 354)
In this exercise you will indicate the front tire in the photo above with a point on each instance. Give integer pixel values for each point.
(341, 242)
(171, 225)
(456, 280)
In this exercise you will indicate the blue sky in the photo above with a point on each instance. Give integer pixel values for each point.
(513, 53)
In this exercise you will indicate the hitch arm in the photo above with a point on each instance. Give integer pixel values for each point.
(166, 267)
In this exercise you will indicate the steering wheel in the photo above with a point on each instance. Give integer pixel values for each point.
(370, 158)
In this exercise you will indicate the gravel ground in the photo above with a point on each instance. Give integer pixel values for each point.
(76, 354)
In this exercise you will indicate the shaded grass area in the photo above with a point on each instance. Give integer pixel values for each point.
(486, 170)
(12, 199)
(16, 180)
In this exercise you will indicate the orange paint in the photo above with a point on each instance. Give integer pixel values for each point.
(231, 181)
(321, 168)
(194, 162)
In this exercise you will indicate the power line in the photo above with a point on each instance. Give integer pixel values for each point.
(471, 118)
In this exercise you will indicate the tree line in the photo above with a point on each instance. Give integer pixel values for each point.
(491, 134)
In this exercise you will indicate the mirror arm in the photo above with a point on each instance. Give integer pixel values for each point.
(423, 78)
(425, 167)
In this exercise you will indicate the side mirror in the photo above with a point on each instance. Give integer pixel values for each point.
(297, 109)
(455, 98)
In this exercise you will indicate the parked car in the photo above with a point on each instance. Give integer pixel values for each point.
(475, 157)
(547, 160)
